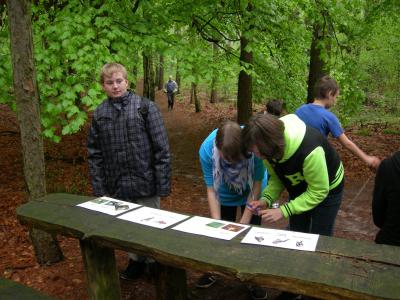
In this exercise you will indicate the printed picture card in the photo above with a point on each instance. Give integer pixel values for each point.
(153, 217)
(281, 238)
(212, 228)
(109, 205)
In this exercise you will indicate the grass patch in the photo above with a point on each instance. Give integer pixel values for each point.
(364, 131)
(392, 131)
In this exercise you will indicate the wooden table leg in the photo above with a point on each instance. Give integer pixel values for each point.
(101, 271)
(170, 283)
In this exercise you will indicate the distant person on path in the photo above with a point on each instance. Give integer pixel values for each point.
(171, 88)
(386, 201)
(128, 150)
(317, 115)
(232, 178)
(274, 107)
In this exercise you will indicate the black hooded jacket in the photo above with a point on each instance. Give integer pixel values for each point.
(386, 201)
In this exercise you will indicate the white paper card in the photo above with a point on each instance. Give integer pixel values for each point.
(153, 217)
(281, 238)
(109, 205)
(210, 227)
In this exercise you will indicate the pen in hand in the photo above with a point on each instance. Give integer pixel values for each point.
(256, 211)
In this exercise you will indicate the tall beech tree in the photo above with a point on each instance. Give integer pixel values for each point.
(320, 49)
(28, 113)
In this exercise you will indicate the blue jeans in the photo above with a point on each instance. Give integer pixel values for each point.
(320, 219)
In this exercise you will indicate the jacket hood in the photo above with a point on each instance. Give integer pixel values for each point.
(294, 132)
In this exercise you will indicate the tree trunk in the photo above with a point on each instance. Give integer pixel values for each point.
(245, 82)
(152, 80)
(178, 77)
(160, 73)
(214, 94)
(194, 98)
(318, 66)
(245, 85)
(46, 247)
(134, 70)
(192, 93)
(148, 80)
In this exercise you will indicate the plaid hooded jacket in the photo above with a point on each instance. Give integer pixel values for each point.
(128, 152)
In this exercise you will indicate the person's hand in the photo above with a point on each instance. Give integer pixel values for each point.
(271, 215)
(373, 162)
(256, 206)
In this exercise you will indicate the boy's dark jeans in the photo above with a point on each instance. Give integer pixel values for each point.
(319, 220)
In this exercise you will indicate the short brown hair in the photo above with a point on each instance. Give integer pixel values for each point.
(274, 107)
(266, 132)
(324, 86)
(110, 68)
(228, 141)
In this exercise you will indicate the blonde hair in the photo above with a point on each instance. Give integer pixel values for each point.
(110, 68)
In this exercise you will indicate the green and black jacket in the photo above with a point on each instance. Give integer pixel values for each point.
(310, 169)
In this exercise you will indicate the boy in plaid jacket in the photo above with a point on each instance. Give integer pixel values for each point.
(128, 150)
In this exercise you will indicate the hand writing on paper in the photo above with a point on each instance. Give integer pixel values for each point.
(256, 206)
(271, 215)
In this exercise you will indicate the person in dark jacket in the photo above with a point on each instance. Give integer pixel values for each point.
(386, 201)
(128, 150)
(171, 88)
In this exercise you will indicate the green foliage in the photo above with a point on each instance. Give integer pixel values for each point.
(6, 94)
(73, 39)
(71, 45)
(364, 131)
(392, 131)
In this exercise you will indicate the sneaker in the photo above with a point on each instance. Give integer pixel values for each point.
(134, 270)
(258, 293)
(206, 281)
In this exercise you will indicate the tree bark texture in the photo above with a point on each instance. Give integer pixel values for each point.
(160, 73)
(134, 70)
(192, 93)
(178, 77)
(28, 113)
(214, 93)
(197, 104)
(245, 85)
(148, 77)
(318, 66)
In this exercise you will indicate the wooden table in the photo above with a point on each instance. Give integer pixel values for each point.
(339, 269)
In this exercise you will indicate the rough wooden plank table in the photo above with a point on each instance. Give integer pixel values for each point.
(11, 290)
(339, 269)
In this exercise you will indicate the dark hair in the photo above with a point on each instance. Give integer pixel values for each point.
(228, 141)
(274, 107)
(324, 86)
(266, 132)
